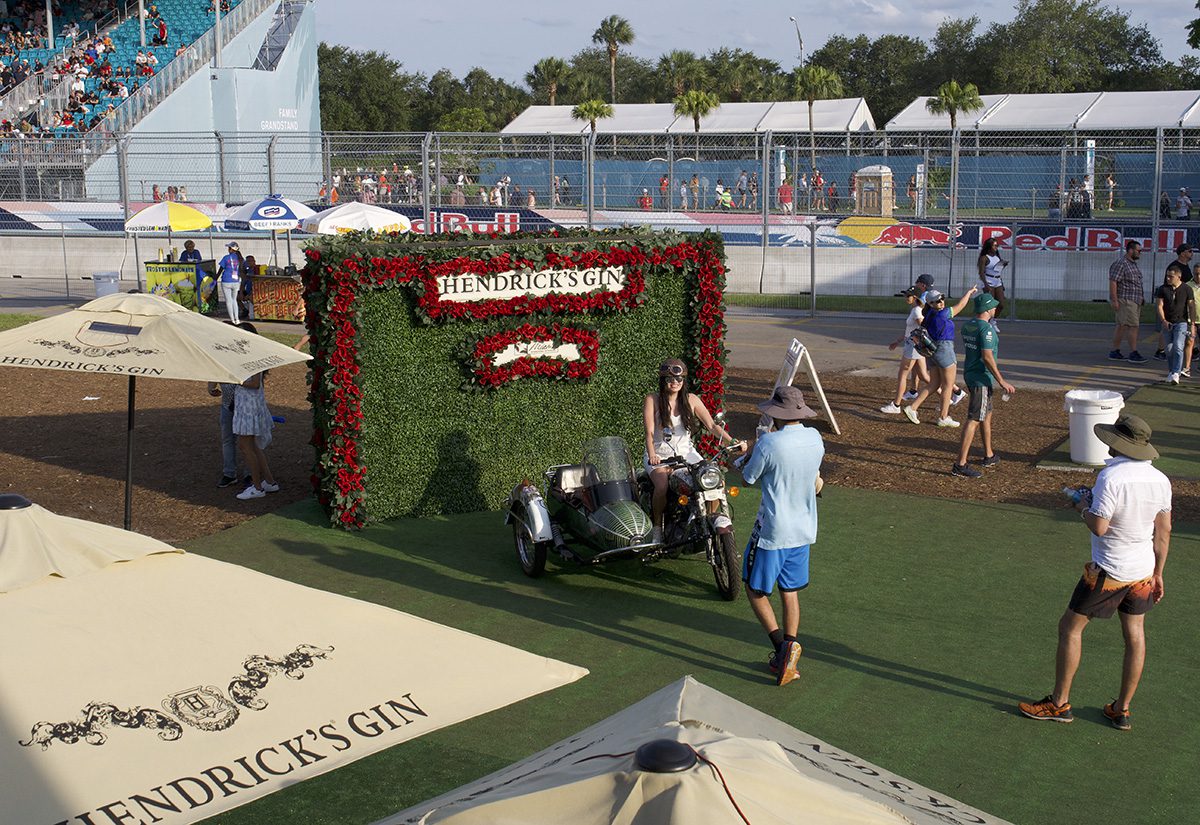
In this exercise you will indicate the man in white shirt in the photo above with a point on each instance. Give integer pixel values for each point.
(1183, 204)
(1129, 514)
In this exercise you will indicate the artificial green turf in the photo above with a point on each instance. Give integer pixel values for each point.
(926, 622)
(1171, 411)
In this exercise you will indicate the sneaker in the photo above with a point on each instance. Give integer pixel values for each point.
(790, 655)
(270, 487)
(1046, 710)
(1160, 355)
(890, 409)
(1118, 718)
(226, 481)
(964, 470)
(773, 662)
(947, 422)
(248, 480)
(1186, 373)
(911, 395)
(1116, 355)
(911, 414)
(958, 395)
(251, 492)
(1135, 357)
(1172, 378)
(990, 461)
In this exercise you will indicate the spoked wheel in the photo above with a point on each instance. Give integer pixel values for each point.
(531, 554)
(726, 568)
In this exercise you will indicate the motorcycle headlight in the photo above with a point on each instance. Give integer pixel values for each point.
(710, 478)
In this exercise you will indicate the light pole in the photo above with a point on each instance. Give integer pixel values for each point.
(799, 39)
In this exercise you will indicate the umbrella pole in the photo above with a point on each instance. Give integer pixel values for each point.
(129, 455)
(289, 245)
(137, 263)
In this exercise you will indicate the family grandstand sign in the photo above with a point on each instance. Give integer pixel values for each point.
(500, 286)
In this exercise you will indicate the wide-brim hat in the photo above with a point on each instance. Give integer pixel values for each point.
(1130, 437)
(985, 302)
(787, 404)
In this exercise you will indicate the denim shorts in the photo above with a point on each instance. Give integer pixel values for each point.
(910, 352)
(944, 355)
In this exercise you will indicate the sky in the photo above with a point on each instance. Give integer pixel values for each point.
(506, 39)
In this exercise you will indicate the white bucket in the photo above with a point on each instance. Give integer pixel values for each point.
(106, 283)
(1087, 408)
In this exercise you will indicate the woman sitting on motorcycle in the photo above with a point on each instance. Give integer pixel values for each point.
(668, 416)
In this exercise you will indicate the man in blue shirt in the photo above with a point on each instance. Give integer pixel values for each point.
(788, 463)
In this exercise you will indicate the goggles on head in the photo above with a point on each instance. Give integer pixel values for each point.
(672, 371)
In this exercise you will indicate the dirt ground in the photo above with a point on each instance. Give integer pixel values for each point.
(63, 446)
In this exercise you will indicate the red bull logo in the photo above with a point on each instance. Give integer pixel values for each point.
(502, 222)
(1088, 239)
(911, 234)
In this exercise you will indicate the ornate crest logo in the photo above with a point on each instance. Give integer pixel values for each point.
(205, 708)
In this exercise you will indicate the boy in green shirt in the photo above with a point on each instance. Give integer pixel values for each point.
(982, 373)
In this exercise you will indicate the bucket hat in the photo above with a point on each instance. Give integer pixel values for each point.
(985, 302)
(787, 404)
(1130, 437)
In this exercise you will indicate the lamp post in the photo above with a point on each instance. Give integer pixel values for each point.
(799, 39)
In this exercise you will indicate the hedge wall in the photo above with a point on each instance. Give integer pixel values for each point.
(411, 417)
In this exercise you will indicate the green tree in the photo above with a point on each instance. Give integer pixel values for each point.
(1194, 30)
(614, 32)
(815, 83)
(957, 50)
(696, 104)
(680, 71)
(951, 98)
(591, 111)
(466, 119)
(739, 75)
(640, 82)
(367, 92)
(548, 74)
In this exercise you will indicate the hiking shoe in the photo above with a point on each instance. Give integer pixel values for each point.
(251, 492)
(790, 655)
(990, 461)
(1116, 355)
(911, 395)
(947, 422)
(958, 395)
(964, 470)
(911, 414)
(1046, 710)
(1135, 357)
(1160, 355)
(890, 409)
(1118, 718)
(270, 487)
(226, 481)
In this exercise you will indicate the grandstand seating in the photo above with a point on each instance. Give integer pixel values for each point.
(186, 21)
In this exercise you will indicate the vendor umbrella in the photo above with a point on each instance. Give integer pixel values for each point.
(170, 687)
(273, 214)
(165, 216)
(356, 217)
(142, 335)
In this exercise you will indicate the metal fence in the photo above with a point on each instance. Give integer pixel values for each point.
(881, 207)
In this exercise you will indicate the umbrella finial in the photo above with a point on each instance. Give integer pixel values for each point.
(665, 756)
(14, 501)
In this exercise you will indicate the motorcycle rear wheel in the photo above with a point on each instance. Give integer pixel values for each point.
(531, 554)
(726, 569)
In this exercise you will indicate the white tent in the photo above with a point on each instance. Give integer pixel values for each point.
(768, 771)
(1060, 112)
(844, 115)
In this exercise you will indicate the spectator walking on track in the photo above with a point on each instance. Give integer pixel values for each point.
(1182, 263)
(1129, 515)
(1174, 306)
(1126, 296)
(788, 463)
(981, 347)
(911, 361)
(939, 323)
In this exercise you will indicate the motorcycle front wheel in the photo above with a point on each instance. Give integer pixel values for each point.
(726, 567)
(531, 554)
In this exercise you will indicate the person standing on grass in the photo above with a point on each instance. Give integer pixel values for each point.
(911, 362)
(788, 463)
(1129, 515)
(1126, 296)
(1174, 307)
(939, 323)
(981, 345)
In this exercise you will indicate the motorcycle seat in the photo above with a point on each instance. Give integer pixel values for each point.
(575, 483)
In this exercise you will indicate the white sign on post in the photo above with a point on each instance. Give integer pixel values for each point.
(794, 359)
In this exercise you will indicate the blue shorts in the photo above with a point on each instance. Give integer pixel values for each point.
(944, 356)
(785, 566)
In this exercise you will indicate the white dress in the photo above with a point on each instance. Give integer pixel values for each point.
(679, 444)
(251, 416)
(993, 272)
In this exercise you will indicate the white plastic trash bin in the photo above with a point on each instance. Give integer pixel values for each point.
(1087, 408)
(106, 283)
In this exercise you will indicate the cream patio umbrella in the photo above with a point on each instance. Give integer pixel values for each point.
(356, 217)
(689, 754)
(141, 335)
(143, 684)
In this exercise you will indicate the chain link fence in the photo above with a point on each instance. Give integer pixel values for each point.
(837, 221)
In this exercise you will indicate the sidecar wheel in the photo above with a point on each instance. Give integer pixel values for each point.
(531, 554)
(727, 569)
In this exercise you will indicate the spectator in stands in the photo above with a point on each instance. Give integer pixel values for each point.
(160, 37)
(155, 194)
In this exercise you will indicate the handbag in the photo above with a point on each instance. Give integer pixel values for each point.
(921, 342)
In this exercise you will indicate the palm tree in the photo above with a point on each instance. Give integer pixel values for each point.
(678, 69)
(591, 111)
(613, 33)
(815, 83)
(696, 104)
(548, 73)
(952, 99)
